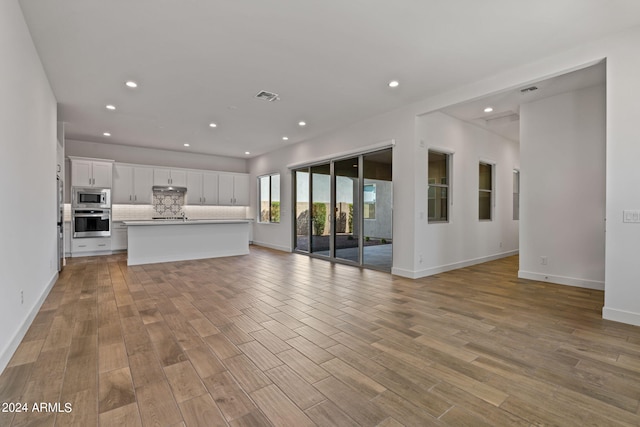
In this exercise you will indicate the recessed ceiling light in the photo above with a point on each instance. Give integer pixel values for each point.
(110, 107)
(488, 109)
(187, 145)
(285, 138)
(213, 125)
(394, 83)
(131, 84)
(302, 123)
(106, 134)
(247, 152)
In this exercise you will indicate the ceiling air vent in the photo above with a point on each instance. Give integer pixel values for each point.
(267, 96)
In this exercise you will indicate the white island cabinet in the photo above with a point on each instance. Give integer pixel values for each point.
(151, 242)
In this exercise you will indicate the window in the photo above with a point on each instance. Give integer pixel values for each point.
(516, 195)
(269, 196)
(438, 192)
(485, 190)
(369, 198)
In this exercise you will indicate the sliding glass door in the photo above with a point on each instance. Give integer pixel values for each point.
(347, 210)
(301, 210)
(377, 210)
(321, 209)
(343, 210)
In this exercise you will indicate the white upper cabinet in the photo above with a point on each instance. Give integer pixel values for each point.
(233, 189)
(122, 191)
(194, 188)
(132, 184)
(142, 185)
(174, 177)
(209, 188)
(241, 190)
(91, 172)
(202, 188)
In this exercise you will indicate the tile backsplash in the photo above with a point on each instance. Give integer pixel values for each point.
(133, 212)
(142, 212)
(168, 204)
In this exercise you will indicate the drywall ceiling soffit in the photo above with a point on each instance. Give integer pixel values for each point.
(504, 120)
(329, 62)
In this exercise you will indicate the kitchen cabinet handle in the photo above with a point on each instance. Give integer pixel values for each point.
(204, 200)
(104, 244)
(135, 198)
(129, 197)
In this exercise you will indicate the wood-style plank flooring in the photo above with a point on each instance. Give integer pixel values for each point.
(282, 339)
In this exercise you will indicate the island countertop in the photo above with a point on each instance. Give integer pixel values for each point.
(183, 222)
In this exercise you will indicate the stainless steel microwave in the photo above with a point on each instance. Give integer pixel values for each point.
(91, 198)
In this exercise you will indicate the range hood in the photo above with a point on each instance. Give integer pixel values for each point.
(168, 189)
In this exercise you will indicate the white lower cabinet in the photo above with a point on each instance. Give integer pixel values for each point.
(90, 245)
(118, 236)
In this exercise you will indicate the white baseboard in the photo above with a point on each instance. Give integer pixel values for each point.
(11, 348)
(270, 246)
(621, 316)
(561, 280)
(403, 272)
(448, 267)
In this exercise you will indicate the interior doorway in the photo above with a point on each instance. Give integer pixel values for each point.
(343, 210)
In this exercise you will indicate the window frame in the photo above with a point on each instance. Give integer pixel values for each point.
(271, 220)
(490, 191)
(439, 185)
(516, 195)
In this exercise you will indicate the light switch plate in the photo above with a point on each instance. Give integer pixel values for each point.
(631, 216)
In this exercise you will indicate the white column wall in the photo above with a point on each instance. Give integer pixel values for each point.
(28, 251)
(562, 140)
(622, 275)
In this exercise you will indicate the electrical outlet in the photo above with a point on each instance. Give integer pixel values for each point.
(420, 259)
(543, 260)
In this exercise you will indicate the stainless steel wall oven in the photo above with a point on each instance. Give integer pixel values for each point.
(91, 222)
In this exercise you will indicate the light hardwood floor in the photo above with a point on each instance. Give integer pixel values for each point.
(281, 339)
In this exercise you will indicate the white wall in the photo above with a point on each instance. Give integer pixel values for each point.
(465, 240)
(28, 171)
(622, 275)
(562, 141)
(150, 156)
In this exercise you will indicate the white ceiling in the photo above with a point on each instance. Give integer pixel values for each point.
(199, 61)
(504, 120)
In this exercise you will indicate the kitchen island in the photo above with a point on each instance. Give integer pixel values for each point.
(156, 241)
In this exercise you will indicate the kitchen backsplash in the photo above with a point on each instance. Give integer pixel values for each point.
(168, 204)
(133, 212)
